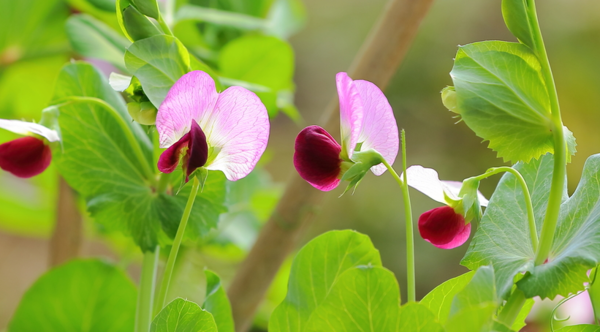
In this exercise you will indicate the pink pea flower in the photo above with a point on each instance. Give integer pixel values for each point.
(367, 123)
(30, 155)
(445, 227)
(200, 127)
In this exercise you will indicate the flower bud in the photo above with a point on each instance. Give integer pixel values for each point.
(444, 228)
(317, 158)
(449, 99)
(143, 113)
(25, 157)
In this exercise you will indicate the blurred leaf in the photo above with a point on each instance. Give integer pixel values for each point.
(217, 303)
(137, 25)
(262, 60)
(93, 39)
(439, 300)
(78, 296)
(285, 18)
(183, 316)
(315, 270)
(522, 316)
(219, 17)
(502, 238)
(158, 62)
(580, 328)
(103, 10)
(415, 317)
(517, 20)
(363, 298)
(486, 88)
(473, 307)
(31, 28)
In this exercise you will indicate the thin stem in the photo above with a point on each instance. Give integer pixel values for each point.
(530, 215)
(410, 238)
(560, 153)
(166, 279)
(135, 146)
(145, 298)
(512, 308)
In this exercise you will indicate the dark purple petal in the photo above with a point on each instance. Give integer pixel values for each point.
(198, 152)
(25, 157)
(169, 159)
(317, 158)
(444, 228)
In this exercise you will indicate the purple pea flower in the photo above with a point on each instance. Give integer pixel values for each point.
(30, 155)
(225, 131)
(367, 123)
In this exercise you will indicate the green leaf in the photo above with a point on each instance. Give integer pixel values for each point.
(183, 316)
(158, 62)
(594, 292)
(473, 307)
(576, 244)
(502, 238)
(580, 328)
(137, 25)
(261, 60)
(121, 5)
(364, 298)
(517, 20)
(217, 303)
(439, 300)
(219, 17)
(103, 10)
(316, 268)
(511, 111)
(415, 317)
(522, 316)
(78, 296)
(147, 7)
(94, 39)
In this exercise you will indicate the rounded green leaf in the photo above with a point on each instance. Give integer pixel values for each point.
(502, 97)
(439, 300)
(183, 316)
(217, 303)
(315, 270)
(364, 298)
(83, 295)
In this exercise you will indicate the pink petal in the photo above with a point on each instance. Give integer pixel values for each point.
(317, 158)
(379, 129)
(238, 130)
(351, 112)
(25, 157)
(444, 228)
(26, 128)
(192, 97)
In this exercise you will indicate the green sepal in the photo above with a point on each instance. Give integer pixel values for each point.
(137, 25)
(470, 200)
(202, 174)
(147, 7)
(364, 160)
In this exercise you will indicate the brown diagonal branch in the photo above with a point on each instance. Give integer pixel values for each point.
(377, 61)
(65, 243)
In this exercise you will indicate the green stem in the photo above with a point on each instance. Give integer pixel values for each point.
(145, 298)
(512, 308)
(560, 153)
(166, 279)
(530, 216)
(410, 238)
(135, 146)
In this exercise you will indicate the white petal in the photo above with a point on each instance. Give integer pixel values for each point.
(119, 82)
(26, 128)
(427, 181)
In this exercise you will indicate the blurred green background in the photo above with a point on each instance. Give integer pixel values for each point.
(34, 46)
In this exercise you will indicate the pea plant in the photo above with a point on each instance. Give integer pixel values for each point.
(160, 151)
